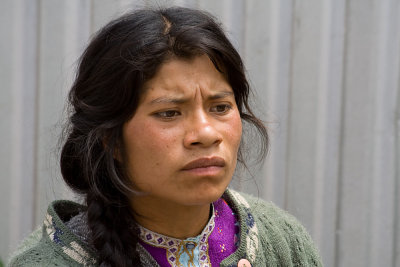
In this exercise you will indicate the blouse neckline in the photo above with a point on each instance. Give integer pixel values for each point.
(182, 249)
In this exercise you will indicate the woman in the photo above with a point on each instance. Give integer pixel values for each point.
(155, 132)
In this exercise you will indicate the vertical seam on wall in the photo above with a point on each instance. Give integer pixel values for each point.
(341, 139)
(91, 17)
(36, 110)
(289, 117)
(244, 32)
(244, 59)
(396, 224)
(396, 211)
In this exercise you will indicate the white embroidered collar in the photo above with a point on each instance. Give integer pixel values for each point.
(178, 249)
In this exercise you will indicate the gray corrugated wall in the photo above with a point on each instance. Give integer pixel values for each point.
(326, 75)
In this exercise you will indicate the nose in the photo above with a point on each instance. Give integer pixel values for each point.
(201, 131)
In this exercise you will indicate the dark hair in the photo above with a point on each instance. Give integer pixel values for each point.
(120, 58)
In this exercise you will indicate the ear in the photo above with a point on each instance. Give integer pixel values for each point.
(117, 154)
(116, 148)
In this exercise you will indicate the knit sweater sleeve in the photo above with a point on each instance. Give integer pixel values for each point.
(26, 244)
(35, 251)
(40, 255)
(284, 240)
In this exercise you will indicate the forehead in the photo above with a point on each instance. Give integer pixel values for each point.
(182, 76)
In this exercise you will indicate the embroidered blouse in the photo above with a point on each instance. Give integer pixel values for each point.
(218, 240)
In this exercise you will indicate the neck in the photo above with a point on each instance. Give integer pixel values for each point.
(171, 219)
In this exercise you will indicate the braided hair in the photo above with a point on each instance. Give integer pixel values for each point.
(120, 58)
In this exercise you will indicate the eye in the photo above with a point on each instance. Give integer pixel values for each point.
(221, 108)
(168, 114)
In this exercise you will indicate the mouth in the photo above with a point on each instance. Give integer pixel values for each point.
(205, 165)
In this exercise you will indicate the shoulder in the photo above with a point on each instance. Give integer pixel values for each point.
(42, 253)
(54, 244)
(269, 229)
(260, 209)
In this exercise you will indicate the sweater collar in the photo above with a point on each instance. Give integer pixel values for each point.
(69, 245)
(249, 243)
(66, 242)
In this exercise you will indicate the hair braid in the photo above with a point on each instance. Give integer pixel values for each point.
(113, 232)
(112, 226)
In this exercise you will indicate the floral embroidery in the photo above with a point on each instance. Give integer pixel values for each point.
(249, 220)
(53, 231)
(216, 213)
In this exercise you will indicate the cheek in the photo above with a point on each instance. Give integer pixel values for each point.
(235, 132)
(146, 142)
(146, 148)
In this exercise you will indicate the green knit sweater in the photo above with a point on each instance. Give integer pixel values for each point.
(268, 237)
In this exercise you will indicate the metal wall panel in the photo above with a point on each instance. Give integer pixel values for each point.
(325, 76)
(18, 95)
(368, 151)
(63, 30)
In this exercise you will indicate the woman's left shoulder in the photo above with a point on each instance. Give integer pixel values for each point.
(261, 209)
(274, 228)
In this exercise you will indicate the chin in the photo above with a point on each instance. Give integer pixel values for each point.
(206, 196)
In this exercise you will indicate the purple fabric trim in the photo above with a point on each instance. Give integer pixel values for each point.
(159, 254)
(221, 242)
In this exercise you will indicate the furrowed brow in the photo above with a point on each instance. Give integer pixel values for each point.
(168, 100)
(220, 95)
(171, 100)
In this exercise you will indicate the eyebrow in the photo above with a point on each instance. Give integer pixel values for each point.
(169, 100)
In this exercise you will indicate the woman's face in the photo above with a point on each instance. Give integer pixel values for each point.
(181, 145)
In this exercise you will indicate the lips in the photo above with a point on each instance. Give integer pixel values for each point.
(204, 163)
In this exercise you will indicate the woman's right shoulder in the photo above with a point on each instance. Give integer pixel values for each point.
(35, 251)
(54, 244)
